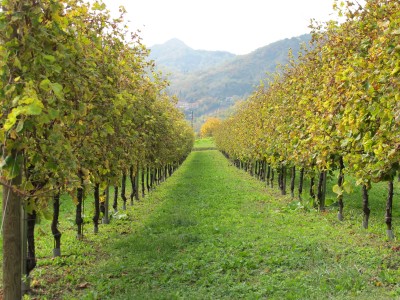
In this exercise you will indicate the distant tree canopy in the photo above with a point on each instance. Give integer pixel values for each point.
(209, 127)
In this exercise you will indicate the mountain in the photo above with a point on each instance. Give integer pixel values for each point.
(207, 82)
(175, 56)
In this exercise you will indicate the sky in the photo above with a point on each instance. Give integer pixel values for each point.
(237, 26)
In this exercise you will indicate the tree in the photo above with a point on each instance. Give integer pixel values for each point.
(209, 127)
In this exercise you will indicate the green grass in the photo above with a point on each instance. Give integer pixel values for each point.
(55, 276)
(352, 202)
(204, 143)
(213, 232)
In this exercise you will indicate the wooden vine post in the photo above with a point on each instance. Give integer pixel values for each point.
(12, 220)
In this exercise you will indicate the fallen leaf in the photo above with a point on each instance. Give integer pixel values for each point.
(83, 285)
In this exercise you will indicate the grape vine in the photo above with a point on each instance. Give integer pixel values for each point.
(336, 107)
(81, 105)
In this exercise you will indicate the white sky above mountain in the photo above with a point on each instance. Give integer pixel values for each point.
(237, 26)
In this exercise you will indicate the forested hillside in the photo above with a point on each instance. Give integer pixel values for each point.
(216, 86)
(176, 57)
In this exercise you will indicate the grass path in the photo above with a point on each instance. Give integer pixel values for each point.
(213, 232)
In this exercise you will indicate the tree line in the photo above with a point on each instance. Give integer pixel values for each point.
(334, 108)
(81, 109)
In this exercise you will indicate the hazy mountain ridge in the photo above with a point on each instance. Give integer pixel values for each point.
(175, 56)
(210, 81)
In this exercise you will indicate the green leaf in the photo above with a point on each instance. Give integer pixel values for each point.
(34, 108)
(57, 89)
(98, 6)
(359, 181)
(347, 187)
(330, 201)
(49, 58)
(17, 63)
(395, 71)
(45, 85)
(10, 90)
(11, 119)
(20, 125)
(109, 129)
(47, 214)
(337, 190)
(53, 113)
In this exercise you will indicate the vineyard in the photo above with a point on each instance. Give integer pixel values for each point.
(213, 231)
(87, 127)
(82, 109)
(334, 111)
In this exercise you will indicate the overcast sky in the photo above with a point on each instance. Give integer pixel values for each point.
(237, 26)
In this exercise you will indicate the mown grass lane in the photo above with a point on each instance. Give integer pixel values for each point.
(213, 232)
